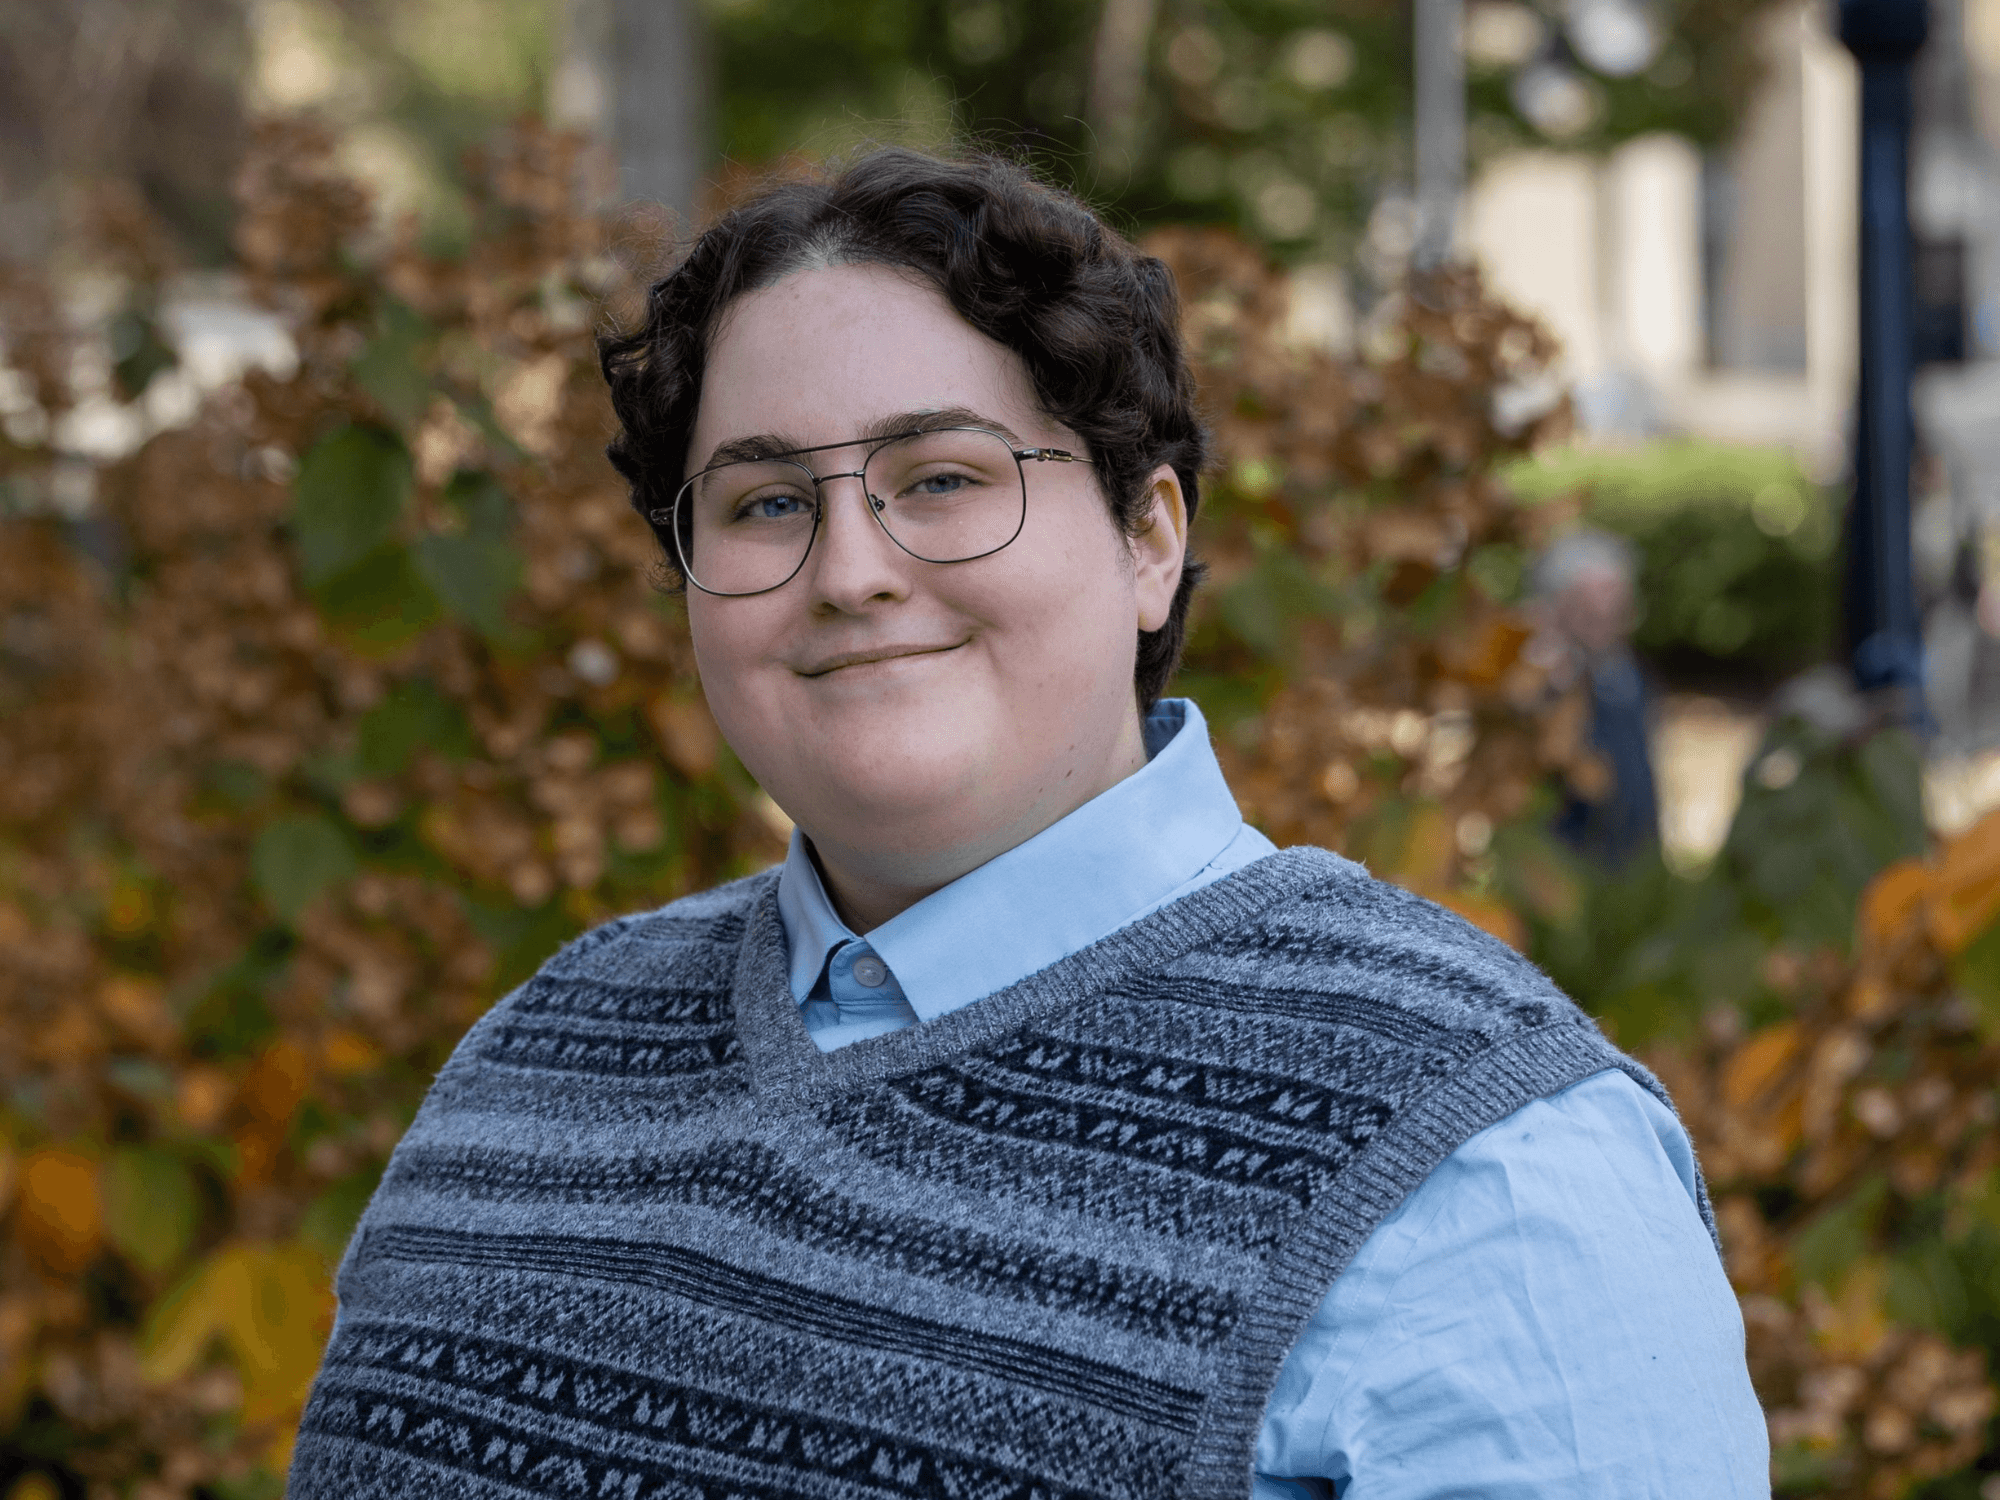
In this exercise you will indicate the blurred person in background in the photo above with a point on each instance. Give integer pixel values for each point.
(1037, 1128)
(1584, 586)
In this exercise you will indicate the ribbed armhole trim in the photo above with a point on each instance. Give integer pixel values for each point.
(1386, 1172)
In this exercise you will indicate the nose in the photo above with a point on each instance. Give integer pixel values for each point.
(854, 563)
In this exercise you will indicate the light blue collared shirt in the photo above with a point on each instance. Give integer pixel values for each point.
(1155, 836)
(1544, 1316)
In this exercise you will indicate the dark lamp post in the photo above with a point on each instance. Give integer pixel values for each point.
(1880, 591)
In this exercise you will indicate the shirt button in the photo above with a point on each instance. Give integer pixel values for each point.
(870, 972)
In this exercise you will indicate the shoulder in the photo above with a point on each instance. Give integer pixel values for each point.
(1369, 989)
(1604, 1346)
(643, 965)
(684, 936)
(1346, 932)
(641, 997)
(1602, 1142)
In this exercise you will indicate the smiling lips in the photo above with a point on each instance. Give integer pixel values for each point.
(834, 663)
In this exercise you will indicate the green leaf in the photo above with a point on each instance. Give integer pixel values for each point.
(479, 412)
(474, 576)
(233, 782)
(138, 352)
(1263, 606)
(329, 773)
(381, 602)
(333, 1215)
(415, 715)
(1977, 971)
(1499, 570)
(350, 489)
(1839, 1236)
(1926, 1288)
(521, 938)
(229, 1016)
(477, 496)
(1801, 1469)
(150, 1207)
(391, 368)
(297, 858)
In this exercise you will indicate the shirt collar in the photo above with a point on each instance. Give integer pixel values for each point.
(1109, 862)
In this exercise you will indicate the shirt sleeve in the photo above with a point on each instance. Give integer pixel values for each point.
(1544, 1316)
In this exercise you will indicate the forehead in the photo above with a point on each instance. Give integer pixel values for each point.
(819, 356)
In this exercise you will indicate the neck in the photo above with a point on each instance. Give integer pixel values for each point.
(869, 885)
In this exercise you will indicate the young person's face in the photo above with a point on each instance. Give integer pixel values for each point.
(915, 718)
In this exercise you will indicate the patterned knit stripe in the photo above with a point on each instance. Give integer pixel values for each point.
(1437, 986)
(1030, 1177)
(566, 1049)
(1111, 1135)
(799, 1310)
(1385, 1033)
(649, 1002)
(645, 996)
(1296, 1106)
(715, 919)
(1090, 1106)
(680, 956)
(526, 1457)
(688, 1434)
(657, 1337)
(753, 1184)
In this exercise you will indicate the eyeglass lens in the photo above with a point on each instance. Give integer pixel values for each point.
(945, 496)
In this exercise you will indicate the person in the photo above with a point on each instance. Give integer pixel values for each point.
(1037, 1129)
(1585, 587)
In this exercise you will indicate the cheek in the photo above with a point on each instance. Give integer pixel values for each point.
(1073, 607)
(1089, 577)
(725, 652)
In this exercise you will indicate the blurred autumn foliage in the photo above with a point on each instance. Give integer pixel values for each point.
(1850, 1146)
(1366, 561)
(375, 706)
(343, 703)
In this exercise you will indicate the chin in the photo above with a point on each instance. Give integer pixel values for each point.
(929, 744)
(901, 815)
(936, 814)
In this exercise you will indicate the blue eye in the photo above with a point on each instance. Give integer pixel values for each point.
(781, 506)
(940, 484)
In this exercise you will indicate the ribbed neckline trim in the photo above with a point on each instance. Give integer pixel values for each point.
(785, 1069)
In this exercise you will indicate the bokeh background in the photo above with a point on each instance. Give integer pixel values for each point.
(336, 691)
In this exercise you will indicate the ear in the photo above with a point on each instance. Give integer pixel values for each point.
(1160, 549)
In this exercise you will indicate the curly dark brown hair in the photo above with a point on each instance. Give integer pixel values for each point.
(1096, 322)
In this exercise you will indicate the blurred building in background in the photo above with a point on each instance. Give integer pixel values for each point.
(1711, 293)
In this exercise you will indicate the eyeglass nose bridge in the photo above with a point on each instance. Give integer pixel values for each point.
(819, 483)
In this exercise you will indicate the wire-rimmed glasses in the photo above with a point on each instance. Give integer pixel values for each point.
(943, 495)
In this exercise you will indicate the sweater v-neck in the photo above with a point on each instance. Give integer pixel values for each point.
(785, 1069)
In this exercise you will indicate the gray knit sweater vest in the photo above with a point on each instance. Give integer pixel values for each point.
(645, 1240)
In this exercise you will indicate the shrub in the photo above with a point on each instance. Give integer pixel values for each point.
(1738, 574)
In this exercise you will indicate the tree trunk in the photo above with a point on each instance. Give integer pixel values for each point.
(661, 89)
(1118, 82)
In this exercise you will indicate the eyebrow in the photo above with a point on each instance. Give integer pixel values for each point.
(765, 445)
